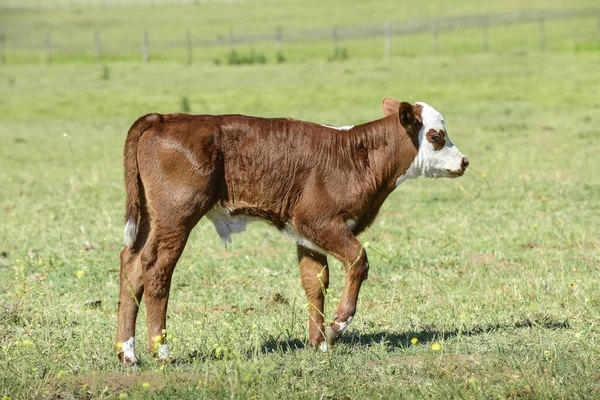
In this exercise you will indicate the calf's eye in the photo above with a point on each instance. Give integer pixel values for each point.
(435, 137)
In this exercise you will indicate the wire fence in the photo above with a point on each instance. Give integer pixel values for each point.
(95, 46)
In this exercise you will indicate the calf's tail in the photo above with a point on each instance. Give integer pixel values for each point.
(133, 184)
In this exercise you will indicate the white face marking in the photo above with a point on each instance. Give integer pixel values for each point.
(429, 162)
(339, 128)
(128, 350)
(129, 233)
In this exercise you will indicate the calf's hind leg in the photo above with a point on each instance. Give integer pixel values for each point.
(130, 296)
(158, 261)
(129, 299)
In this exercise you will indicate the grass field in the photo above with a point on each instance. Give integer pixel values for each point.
(496, 274)
(119, 30)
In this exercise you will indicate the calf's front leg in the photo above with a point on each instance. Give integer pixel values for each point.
(357, 271)
(337, 239)
(314, 272)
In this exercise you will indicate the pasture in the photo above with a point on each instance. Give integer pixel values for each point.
(495, 274)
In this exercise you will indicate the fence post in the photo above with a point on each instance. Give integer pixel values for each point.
(387, 35)
(484, 35)
(279, 39)
(334, 39)
(97, 45)
(542, 34)
(2, 48)
(435, 38)
(48, 47)
(145, 47)
(189, 45)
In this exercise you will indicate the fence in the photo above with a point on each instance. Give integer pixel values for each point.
(279, 36)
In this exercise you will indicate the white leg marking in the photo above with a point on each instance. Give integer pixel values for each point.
(343, 325)
(163, 352)
(128, 350)
(130, 232)
(323, 346)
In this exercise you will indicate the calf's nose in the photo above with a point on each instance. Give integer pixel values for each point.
(464, 163)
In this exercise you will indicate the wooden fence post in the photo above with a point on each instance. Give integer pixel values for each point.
(435, 38)
(542, 34)
(145, 47)
(48, 47)
(334, 39)
(279, 39)
(484, 35)
(387, 35)
(97, 45)
(189, 45)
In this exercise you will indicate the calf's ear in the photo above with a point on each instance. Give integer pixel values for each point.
(407, 115)
(390, 106)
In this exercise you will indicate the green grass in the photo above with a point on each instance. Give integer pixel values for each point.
(499, 267)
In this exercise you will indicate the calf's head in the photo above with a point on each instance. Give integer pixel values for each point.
(437, 157)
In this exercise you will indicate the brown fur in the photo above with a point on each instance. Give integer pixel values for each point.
(178, 167)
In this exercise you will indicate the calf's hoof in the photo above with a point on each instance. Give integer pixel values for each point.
(331, 337)
(126, 353)
(163, 355)
(128, 361)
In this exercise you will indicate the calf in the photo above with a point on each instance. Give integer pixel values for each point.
(321, 186)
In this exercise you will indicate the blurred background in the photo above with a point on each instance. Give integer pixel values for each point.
(231, 32)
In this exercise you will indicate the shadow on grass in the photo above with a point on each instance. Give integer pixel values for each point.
(395, 340)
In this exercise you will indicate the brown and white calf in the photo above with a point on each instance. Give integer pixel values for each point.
(321, 186)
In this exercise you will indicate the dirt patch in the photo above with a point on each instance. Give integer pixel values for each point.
(277, 298)
(483, 259)
(116, 383)
(229, 308)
